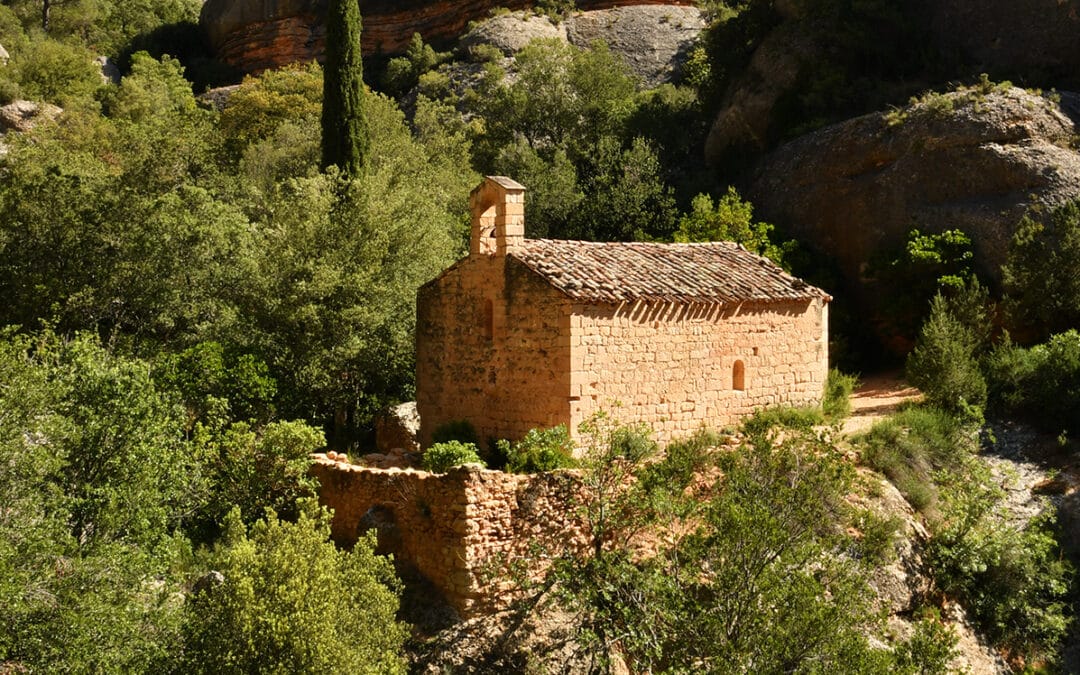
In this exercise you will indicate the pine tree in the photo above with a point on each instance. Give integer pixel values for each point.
(344, 128)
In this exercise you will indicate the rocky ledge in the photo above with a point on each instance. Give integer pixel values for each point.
(255, 35)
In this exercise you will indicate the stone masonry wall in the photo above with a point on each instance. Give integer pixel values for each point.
(673, 366)
(461, 530)
(493, 348)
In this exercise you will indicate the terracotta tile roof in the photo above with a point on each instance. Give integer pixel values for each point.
(710, 273)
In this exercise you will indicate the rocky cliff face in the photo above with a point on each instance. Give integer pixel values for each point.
(1033, 42)
(966, 160)
(652, 40)
(255, 35)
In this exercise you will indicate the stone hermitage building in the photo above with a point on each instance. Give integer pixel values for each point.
(526, 333)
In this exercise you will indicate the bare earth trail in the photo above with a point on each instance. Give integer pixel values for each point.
(878, 396)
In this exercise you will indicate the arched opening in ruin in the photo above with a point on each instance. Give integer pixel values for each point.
(489, 320)
(381, 518)
(738, 376)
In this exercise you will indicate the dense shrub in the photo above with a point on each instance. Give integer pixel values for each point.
(441, 457)
(836, 403)
(1014, 582)
(1041, 382)
(285, 599)
(783, 416)
(763, 531)
(540, 450)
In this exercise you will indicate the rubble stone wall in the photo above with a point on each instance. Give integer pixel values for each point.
(677, 366)
(462, 530)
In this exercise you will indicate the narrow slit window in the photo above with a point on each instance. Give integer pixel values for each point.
(738, 376)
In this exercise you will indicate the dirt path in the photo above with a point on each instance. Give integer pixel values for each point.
(879, 396)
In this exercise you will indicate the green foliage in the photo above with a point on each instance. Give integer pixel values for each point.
(540, 450)
(912, 446)
(927, 265)
(345, 132)
(1041, 276)
(403, 72)
(208, 378)
(929, 650)
(1041, 382)
(1014, 583)
(93, 477)
(441, 457)
(765, 534)
(56, 72)
(626, 197)
(251, 469)
(836, 402)
(262, 104)
(944, 363)
(288, 600)
(729, 219)
(784, 417)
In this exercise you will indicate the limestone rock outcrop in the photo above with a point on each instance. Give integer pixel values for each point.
(255, 35)
(1036, 42)
(966, 160)
(23, 115)
(653, 40)
(509, 33)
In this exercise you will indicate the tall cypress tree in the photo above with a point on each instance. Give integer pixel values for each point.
(344, 127)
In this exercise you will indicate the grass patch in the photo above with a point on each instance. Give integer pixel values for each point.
(911, 446)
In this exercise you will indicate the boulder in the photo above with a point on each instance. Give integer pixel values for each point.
(110, 73)
(653, 40)
(970, 160)
(396, 428)
(23, 115)
(218, 97)
(4, 56)
(746, 111)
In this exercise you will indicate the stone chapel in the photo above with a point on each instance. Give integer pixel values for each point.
(525, 333)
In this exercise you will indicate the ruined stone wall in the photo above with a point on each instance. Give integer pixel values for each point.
(462, 530)
(493, 348)
(674, 366)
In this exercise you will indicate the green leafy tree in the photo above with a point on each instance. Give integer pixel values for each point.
(729, 219)
(626, 198)
(344, 127)
(55, 72)
(94, 477)
(284, 599)
(331, 302)
(263, 103)
(403, 72)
